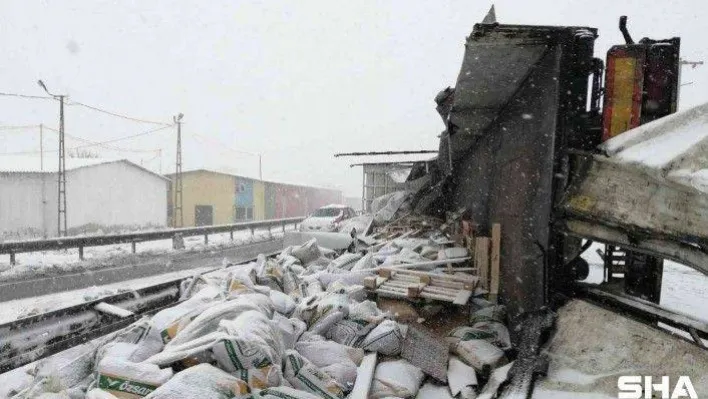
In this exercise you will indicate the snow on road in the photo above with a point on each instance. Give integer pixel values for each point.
(12, 310)
(48, 262)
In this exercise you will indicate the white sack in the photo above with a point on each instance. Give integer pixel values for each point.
(201, 382)
(252, 343)
(99, 394)
(290, 330)
(339, 361)
(128, 380)
(397, 378)
(283, 304)
(208, 320)
(345, 262)
(304, 375)
(366, 262)
(480, 354)
(386, 339)
(433, 391)
(307, 252)
(461, 378)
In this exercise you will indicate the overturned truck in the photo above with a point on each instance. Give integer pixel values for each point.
(535, 142)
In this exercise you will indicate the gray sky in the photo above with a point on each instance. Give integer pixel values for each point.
(295, 81)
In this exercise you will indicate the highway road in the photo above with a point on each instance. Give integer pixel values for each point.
(25, 288)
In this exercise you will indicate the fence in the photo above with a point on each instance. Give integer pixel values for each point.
(15, 247)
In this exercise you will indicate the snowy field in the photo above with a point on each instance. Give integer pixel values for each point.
(49, 262)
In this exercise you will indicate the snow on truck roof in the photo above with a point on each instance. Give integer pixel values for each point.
(673, 147)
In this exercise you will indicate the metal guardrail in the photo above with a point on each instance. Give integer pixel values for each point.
(15, 247)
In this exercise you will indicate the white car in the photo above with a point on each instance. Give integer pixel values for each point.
(327, 218)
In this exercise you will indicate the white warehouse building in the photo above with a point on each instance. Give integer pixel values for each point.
(101, 195)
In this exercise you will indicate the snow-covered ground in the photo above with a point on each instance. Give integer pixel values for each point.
(683, 289)
(48, 262)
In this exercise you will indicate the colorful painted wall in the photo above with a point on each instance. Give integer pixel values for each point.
(206, 189)
(235, 198)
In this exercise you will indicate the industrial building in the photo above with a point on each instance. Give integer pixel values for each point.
(212, 197)
(385, 174)
(101, 195)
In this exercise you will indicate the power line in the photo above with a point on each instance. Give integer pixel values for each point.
(130, 118)
(93, 144)
(18, 127)
(128, 137)
(97, 109)
(26, 96)
(99, 144)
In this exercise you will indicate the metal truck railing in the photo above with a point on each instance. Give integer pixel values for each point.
(15, 247)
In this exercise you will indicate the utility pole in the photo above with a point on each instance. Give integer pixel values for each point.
(44, 182)
(41, 147)
(177, 214)
(61, 174)
(260, 168)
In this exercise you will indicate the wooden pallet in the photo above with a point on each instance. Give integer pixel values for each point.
(411, 284)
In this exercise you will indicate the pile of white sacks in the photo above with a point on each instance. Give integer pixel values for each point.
(296, 326)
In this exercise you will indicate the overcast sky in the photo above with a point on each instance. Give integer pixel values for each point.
(295, 81)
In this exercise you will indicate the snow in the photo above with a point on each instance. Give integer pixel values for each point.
(683, 288)
(29, 164)
(15, 380)
(18, 308)
(674, 147)
(34, 263)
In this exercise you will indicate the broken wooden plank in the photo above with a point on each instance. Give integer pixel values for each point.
(374, 282)
(364, 377)
(496, 248)
(481, 260)
(439, 276)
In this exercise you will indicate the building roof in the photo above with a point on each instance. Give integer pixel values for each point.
(226, 173)
(28, 164)
(390, 159)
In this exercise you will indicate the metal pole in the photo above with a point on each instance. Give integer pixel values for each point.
(41, 147)
(178, 215)
(260, 168)
(61, 201)
(44, 182)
